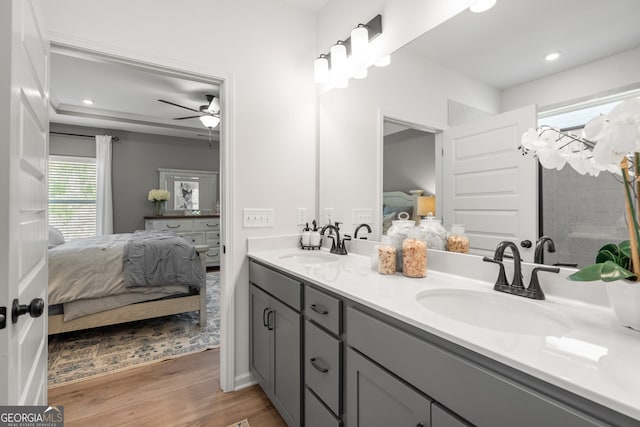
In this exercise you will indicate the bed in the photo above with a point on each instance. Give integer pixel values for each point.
(106, 280)
(395, 202)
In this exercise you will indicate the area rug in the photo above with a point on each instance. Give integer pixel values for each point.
(82, 355)
(243, 423)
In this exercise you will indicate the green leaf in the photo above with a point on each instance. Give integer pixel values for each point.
(605, 255)
(611, 247)
(612, 272)
(588, 274)
(625, 248)
(607, 271)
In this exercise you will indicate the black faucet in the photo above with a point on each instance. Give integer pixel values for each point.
(516, 287)
(538, 255)
(355, 233)
(337, 245)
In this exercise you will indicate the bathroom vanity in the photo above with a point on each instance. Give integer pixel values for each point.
(335, 344)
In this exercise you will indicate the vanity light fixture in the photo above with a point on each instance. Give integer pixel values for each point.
(482, 6)
(552, 56)
(348, 58)
(88, 101)
(321, 69)
(383, 62)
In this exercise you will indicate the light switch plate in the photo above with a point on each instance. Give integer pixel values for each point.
(362, 216)
(328, 216)
(302, 216)
(257, 218)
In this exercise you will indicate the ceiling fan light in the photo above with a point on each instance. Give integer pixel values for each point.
(214, 105)
(209, 121)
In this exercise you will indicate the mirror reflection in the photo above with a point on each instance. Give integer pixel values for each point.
(475, 66)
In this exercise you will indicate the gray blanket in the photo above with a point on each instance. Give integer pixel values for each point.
(161, 258)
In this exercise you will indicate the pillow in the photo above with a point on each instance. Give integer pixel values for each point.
(55, 237)
(391, 212)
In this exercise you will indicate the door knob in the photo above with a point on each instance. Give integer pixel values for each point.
(35, 309)
(526, 243)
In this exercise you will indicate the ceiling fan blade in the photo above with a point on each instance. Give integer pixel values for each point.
(184, 118)
(178, 105)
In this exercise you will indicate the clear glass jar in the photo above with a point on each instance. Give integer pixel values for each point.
(414, 253)
(398, 232)
(436, 235)
(386, 256)
(457, 241)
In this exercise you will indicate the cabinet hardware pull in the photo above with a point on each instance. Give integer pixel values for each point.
(319, 310)
(212, 225)
(264, 320)
(314, 363)
(269, 326)
(173, 226)
(419, 425)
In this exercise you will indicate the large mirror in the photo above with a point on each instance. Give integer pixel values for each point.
(472, 67)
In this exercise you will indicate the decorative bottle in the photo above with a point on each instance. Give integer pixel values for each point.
(414, 253)
(386, 256)
(457, 241)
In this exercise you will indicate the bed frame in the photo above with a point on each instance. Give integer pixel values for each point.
(139, 311)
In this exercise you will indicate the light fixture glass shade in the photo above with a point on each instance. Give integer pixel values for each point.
(360, 74)
(321, 69)
(383, 62)
(359, 40)
(214, 106)
(552, 56)
(338, 57)
(209, 121)
(482, 6)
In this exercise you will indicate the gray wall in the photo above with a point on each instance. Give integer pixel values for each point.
(136, 159)
(409, 161)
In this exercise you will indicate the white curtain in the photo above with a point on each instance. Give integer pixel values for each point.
(104, 199)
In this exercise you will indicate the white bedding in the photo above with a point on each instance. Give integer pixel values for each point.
(84, 271)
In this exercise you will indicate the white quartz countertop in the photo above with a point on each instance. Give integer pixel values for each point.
(591, 355)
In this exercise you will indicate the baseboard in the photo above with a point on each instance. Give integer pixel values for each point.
(243, 381)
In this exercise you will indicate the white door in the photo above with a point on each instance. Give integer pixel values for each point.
(488, 185)
(24, 127)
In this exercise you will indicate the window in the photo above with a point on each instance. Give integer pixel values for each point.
(72, 195)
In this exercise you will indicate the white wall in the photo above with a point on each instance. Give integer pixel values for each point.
(267, 46)
(411, 89)
(589, 80)
(409, 161)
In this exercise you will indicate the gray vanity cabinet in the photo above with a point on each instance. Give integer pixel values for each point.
(275, 349)
(375, 398)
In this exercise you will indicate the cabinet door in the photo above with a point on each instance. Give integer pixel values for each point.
(441, 417)
(260, 336)
(287, 378)
(377, 398)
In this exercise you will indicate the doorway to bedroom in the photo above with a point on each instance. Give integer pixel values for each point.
(165, 131)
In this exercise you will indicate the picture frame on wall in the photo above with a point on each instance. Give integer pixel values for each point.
(192, 191)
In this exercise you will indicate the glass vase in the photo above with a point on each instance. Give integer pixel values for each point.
(158, 208)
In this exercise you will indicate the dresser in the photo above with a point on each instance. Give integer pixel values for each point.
(201, 230)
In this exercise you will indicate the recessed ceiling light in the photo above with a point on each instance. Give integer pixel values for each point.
(552, 56)
(482, 6)
(87, 101)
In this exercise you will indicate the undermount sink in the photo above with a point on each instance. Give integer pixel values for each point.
(310, 258)
(494, 311)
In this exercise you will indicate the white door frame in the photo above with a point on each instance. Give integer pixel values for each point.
(91, 50)
(397, 118)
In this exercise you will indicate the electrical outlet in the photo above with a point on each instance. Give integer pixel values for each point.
(257, 218)
(362, 216)
(328, 215)
(302, 216)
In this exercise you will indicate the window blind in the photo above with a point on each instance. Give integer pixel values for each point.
(72, 195)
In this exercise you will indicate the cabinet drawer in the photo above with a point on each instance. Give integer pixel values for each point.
(177, 225)
(196, 238)
(316, 414)
(322, 309)
(213, 236)
(207, 224)
(471, 391)
(322, 365)
(280, 286)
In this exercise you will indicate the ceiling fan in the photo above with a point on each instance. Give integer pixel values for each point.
(209, 113)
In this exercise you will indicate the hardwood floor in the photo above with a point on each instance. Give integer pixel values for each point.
(179, 392)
